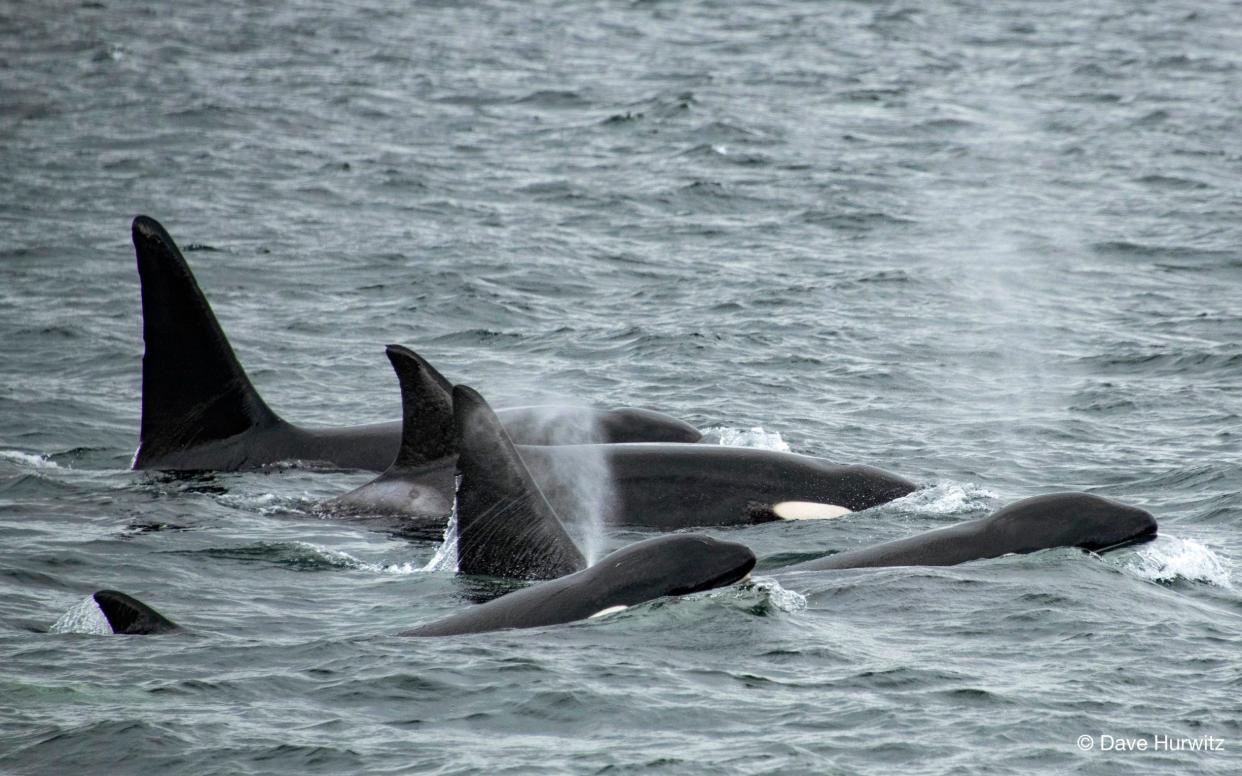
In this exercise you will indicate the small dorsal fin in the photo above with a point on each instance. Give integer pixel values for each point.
(426, 410)
(505, 526)
(193, 388)
(127, 615)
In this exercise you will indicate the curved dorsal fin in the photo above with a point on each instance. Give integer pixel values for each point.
(426, 410)
(193, 388)
(127, 615)
(505, 526)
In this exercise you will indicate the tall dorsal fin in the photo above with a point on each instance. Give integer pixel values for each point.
(193, 388)
(426, 410)
(127, 615)
(505, 526)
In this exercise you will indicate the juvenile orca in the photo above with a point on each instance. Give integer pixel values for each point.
(201, 412)
(660, 486)
(1071, 519)
(129, 616)
(664, 566)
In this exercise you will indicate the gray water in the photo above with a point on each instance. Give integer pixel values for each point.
(991, 246)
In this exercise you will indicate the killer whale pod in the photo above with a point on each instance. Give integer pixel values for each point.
(665, 486)
(201, 412)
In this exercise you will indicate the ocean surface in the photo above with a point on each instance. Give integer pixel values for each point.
(994, 247)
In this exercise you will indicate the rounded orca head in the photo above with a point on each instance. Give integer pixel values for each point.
(1080, 520)
(674, 565)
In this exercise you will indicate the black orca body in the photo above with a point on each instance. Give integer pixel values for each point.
(659, 486)
(672, 486)
(505, 528)
(201, 412)
(131, 617)
(1080, 520)
(650, 569)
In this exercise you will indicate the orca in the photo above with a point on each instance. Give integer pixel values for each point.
(1070, 519)
(505, 528)
(129, 616)
(417, 488)
(672, 486)
(664, 566)
(658, 486)
(673, 565)
(201, 412)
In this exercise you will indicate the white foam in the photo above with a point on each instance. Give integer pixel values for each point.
(755, 437)
(809, 510)
(1170, 558)
(445, 558)
(83, 617)
(266, 504)
(946, 498)
(343, 559)
(781, 598)
(29, 459)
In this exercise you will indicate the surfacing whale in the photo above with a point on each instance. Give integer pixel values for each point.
(660, 486)
(130, 617)
(505, 528)
(201, 412)
(1071, 519)
(644, 571)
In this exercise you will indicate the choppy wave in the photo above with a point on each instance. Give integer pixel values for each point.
(303, 556)
(269, 504)
(34, 460)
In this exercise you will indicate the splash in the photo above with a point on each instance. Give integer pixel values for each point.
(83, 617)
(947, 498)
(445, 558)
(755, 437)
(1169, 559)
(772, 594)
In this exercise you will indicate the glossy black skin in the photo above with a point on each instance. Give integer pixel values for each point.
(200, 411)
(505, 526)
(1080, 520)
(644, 571)
(660, 487)
(129, 616)
(669, 486)
(373, 447)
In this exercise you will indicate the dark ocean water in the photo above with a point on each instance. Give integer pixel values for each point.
(996, 247)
